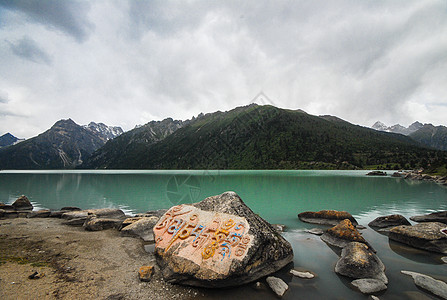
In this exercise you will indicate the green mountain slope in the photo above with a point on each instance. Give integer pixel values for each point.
(64, 145)
(432, 136)
(266, 137)
(120, 150)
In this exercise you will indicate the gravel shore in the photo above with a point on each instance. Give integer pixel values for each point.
(76, 264)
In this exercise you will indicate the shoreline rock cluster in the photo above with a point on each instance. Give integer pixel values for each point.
(358, 259)
(412, 175)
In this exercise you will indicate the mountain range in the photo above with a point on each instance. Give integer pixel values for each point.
(65, 145)
(248, 137)
(426, 134)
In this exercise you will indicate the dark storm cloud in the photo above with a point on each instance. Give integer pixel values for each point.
(28, 49)
(68, 16)
(145, 60)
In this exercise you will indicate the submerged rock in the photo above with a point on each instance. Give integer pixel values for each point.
(426, 236)
(326, 217)
(342, 234)
(218, 242)
(434, 286)
(22, 203)
(277, 285)
(316, 231)
(440, 216)
(389, 221)
(306, 275)
(358, 261)
(369, 285)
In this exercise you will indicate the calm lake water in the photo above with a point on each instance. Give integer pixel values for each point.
(277, 196)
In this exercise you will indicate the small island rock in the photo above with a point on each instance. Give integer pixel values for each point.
(218, 242)
(22, 203)
(358, 261)
(342, 234)
(426, 236)
(440, 216)
(389, 221)
(326, 217)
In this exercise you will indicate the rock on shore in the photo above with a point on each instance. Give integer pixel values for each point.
(218, 242)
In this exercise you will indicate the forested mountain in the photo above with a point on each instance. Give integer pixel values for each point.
(65, 145)
(119, 151)
(265, 137)
(432, 136)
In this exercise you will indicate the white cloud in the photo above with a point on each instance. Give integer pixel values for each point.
(126, 63)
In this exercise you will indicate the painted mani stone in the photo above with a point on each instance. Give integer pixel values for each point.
(210, 239)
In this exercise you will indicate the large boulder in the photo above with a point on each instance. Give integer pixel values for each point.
(22, 203)
(342, 234)
(388, 221)
(326, 217)
(358, 261)
(218, 242)
(427, 236)
(440, 216)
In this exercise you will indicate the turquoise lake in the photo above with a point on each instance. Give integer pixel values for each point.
(277, 196)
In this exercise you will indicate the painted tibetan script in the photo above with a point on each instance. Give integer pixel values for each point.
(209, 239)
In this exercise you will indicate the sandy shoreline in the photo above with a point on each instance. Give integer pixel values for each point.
(77, 264)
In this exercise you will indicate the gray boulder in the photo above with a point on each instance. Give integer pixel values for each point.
(96, 224)
(142, 228)
(218, 242)
(277, 285)
(22, 203)
(358, 261)
(434, 286)
(388, 221)
(369, 285)
(426, 236)
(440, 216)
(326, 217)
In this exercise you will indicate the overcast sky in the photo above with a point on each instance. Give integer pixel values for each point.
(129, 62)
